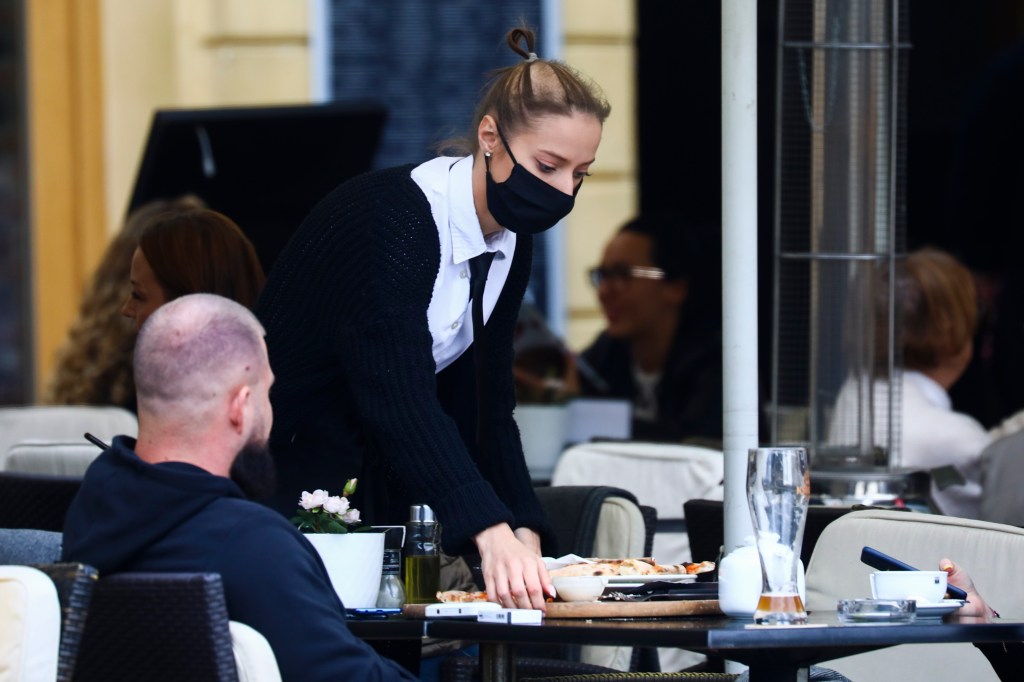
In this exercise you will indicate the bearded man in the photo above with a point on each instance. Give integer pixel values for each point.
(175, 499)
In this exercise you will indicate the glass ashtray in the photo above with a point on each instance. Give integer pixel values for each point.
(876, 611)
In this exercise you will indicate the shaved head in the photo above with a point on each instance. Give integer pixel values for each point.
(192, 352)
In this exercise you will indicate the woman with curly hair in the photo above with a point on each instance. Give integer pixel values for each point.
(193, 251)
(94, 364)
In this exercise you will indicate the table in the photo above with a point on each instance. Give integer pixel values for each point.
(400, 639)
(773, 653)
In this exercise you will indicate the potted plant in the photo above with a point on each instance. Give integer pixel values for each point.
(351, 552)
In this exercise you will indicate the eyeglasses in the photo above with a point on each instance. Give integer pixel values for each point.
(620, 274)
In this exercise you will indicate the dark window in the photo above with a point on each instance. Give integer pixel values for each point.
(15, 271)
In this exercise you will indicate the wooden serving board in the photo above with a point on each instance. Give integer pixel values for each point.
(613, 609)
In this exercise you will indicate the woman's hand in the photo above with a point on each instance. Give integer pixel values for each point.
(514, 573)
(958, 577)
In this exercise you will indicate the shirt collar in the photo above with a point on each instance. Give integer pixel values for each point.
(467, 236)
(930, 389)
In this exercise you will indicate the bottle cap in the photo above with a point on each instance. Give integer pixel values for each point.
(421, 513)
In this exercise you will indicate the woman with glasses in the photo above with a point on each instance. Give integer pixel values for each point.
(659, 287)
(394, 361)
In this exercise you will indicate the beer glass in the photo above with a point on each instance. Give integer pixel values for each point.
(778, 491)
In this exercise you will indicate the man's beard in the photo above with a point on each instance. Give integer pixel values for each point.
(254, 472)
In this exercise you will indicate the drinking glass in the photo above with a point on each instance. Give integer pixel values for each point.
(778, 491)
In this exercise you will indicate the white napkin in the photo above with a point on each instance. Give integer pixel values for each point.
(568, 560)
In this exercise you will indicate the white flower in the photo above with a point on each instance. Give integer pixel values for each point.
(351, 516)
(336, 504)
(313, 500)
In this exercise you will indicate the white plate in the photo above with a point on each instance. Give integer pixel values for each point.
(633, 580)
(939, 609)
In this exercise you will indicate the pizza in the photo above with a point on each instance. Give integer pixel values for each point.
(641, 566)
(460, 596)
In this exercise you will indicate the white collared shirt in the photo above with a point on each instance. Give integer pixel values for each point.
(448, 185)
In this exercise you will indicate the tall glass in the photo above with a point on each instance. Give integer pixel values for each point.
(778, 491)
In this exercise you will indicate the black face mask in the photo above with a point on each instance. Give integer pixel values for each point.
(524, 203)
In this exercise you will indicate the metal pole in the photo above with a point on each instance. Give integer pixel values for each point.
(739, 258)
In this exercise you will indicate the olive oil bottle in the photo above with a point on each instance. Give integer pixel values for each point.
(422, 559)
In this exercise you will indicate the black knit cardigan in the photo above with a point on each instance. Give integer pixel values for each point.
(345, 312)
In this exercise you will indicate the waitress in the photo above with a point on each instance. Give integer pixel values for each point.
(369, 315)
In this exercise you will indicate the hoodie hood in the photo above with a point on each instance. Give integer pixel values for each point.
(107, 530)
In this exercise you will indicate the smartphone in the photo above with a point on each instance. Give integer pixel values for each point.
(460, 609)
(883, 562)
(371, 613)
(96, 441)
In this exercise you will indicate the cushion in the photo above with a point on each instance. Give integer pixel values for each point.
(662, 476)
(64, 423)
(48, 457)
(29, 625)
(253, 655)
(992, 553)
(29, 546)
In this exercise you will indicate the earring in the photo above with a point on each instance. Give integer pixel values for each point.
(487, 154)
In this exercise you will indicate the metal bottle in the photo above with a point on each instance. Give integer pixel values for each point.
(422, 556)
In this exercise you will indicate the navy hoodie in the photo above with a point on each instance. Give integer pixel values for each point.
(175, 517)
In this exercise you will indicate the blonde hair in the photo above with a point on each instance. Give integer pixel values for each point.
(532, 88)
(94, 364)
(939, 308)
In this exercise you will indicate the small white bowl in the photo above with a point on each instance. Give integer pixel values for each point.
(579, 588)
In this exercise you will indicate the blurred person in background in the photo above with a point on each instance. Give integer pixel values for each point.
(195, 251)
(937, 305)
(659, 284)
(94, 364)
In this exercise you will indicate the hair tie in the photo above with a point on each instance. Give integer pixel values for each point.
(532, 57)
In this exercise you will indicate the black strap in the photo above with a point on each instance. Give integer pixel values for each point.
(478, 268)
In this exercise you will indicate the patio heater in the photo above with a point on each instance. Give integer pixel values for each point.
(840, 219)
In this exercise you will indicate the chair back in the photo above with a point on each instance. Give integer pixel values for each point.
(598, 521)
(36, 501)
(992, 553)
(662, 476)
(1002, 466)
(29, 625)
(157, 626)
(63, 423)
(49, 458)
(74, 583)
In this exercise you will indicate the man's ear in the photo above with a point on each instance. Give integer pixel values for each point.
(237, 403)
(487, 134)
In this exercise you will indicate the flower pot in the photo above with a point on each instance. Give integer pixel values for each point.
(353, 562)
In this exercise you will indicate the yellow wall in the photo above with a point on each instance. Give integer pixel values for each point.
(100, 68)
(66, 170)
(599, 39)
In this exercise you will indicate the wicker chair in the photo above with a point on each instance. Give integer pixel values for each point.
(35, 501)
(467, 669)
(157, 626)
(637, 677)
(75, 584)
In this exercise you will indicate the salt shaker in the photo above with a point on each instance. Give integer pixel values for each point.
(392, 592)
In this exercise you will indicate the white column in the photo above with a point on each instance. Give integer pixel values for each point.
(739, 257)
